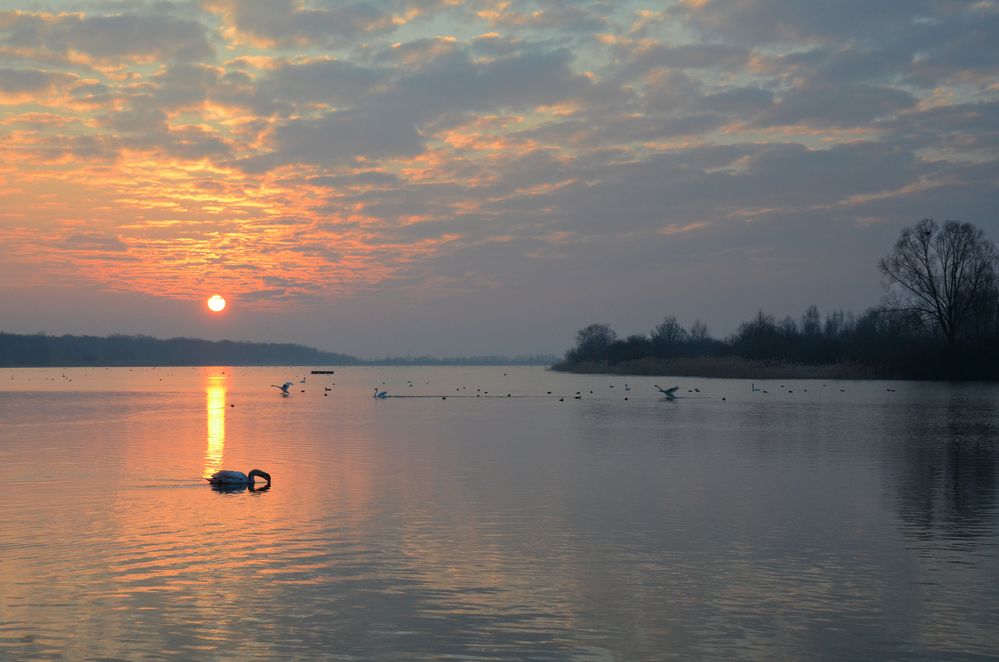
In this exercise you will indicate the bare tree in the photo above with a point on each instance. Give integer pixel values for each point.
(669, 332)
(597, 335)
(939, 272)
(699, 332)
(592, 342)
(811, 322)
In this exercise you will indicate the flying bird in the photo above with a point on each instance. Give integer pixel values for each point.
(284, 387)
(668, 392)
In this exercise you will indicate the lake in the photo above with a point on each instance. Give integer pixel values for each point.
(815, 520)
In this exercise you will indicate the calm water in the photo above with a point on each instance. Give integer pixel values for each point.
(817, 520)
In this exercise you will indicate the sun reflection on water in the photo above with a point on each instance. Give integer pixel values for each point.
(215, 392)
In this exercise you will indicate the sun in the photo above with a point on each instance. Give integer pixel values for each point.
(216, 303)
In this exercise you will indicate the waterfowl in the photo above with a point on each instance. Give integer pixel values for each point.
(226, 477)
(670, 393)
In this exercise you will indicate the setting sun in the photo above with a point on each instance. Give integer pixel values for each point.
(216, 303)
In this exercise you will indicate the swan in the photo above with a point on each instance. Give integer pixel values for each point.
(380, 394)
(668, 392)
(284, 387)
(234, 478)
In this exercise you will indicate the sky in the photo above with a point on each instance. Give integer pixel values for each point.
(391, 177)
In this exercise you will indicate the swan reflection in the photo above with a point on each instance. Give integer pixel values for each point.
(234, 488)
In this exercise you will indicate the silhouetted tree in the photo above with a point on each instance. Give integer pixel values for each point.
(943, 282)
(939, 272)
(985, 313)
(667, 338)
(892, 343)
(630, 349)
(595, 334)
(699, 332)
(788, 328)
(838, 323)
(811, 322)
(592, 342)
(758, 338)
(669, 332)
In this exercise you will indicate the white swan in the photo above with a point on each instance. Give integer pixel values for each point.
(668, 392)
(380, 394)
(234, 478)
(284, 387)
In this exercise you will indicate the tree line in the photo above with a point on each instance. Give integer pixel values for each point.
(125, 350)
(39, 350)
(939, 318)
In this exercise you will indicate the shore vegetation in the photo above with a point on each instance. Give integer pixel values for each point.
(938, 319)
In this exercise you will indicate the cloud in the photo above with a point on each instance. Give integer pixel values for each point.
(323, 81)
(359, 179)
(93, 241)
(289, 23)
(836, 105)
(550, 16)
(140, 37)
(751, 21)
(688, 56)
(184, 85)
(26, 83)
(970, 130)
(506, 151)
(390, 120)
(343, 137)
(455, 82)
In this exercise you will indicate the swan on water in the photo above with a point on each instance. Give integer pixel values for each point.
(284, 387)
(235, 478)
(670, 393)
(380, 394)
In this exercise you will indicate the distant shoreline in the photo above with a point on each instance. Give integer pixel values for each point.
(67, 351)
(236, 364)
(727, 367)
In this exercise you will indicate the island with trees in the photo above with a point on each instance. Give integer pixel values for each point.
(939, 319)
(41, 350)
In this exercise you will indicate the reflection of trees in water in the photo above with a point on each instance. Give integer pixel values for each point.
(945, 466)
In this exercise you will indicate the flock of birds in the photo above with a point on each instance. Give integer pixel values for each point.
(380, 394)
(669, 394)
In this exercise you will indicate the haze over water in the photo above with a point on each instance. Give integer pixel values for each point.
(817, 520)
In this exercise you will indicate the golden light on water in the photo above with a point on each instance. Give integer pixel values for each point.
(216, 303)
(215, 396)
